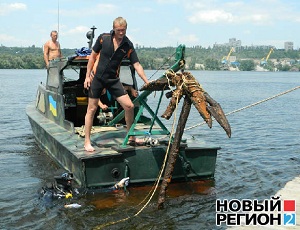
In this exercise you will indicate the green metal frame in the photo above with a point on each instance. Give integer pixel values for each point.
(142, 101)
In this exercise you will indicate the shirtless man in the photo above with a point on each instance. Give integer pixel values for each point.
(52, 48)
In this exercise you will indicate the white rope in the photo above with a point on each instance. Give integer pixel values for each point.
(156, 183)
(165, 159)
(248, 106)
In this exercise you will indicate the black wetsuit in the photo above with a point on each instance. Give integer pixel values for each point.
(107, 74)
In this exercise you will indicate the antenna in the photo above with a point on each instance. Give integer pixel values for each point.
(58, 17)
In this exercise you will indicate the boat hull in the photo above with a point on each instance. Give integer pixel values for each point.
(112, 162)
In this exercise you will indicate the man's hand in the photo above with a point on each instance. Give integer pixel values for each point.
(102, 106)
(87, 82)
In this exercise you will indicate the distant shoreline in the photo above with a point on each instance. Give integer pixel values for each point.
(197, 58)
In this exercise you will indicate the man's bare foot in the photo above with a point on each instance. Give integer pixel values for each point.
(89, 148)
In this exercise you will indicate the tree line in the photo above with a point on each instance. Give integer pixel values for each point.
(161, 58)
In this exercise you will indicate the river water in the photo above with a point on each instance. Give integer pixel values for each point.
(260, 157)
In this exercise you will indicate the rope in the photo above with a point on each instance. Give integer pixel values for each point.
(162, 65)
(156, 183)
(249, 106)
(165, 160)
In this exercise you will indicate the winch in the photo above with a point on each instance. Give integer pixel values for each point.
(104, 118)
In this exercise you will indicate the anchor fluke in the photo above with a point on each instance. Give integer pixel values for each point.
(216, 111)
(187, 85)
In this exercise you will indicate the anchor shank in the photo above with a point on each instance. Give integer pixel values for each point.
(174, 151)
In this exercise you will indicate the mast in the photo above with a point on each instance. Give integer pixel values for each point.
(58, 17)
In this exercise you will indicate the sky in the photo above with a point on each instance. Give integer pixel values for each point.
(152, 23)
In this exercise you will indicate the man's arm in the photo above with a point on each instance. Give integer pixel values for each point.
(89, 77)
(59, 50)
(140, 71)
(46, 54)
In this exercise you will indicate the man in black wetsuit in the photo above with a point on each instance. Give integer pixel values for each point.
(114, 47)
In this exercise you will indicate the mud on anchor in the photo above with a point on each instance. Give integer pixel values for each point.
(186, 84)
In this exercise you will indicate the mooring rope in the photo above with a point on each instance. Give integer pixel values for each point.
(162, 65)
(249, 106)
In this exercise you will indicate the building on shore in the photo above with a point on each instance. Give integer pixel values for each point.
(288, 46)
(233, 42)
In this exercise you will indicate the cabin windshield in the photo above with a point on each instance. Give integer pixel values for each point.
(71, 74)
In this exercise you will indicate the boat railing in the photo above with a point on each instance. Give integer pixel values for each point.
(141, 100)
(55, 82)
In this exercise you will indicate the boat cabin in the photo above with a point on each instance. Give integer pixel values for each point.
(75, 96)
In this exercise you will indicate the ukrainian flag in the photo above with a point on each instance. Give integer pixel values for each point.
(52, 105)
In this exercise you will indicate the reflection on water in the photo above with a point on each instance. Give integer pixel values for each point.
(260, 157)
(134, 196)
